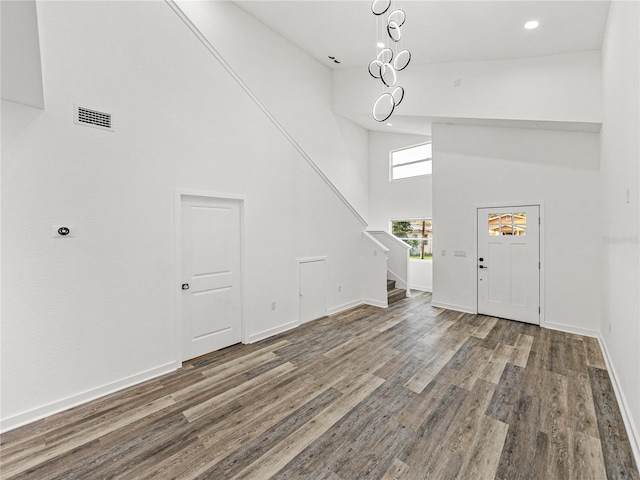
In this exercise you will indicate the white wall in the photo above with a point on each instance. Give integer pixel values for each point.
(564, 88)
(482, 166)
(406, 198)
(84, 315)
(401, 199)
(421, 275)
(374, 266)
(296, 88)
(620, 230)
(21, 72)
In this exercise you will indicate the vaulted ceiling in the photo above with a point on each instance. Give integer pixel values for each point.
(436, 31)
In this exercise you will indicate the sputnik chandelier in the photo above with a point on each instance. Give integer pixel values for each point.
(390, 58)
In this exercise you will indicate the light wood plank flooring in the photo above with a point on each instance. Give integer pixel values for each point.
(408, 392)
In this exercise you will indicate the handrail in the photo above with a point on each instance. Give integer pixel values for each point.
(375, 242)
(398, 267)
(262, 107)
(391, 237)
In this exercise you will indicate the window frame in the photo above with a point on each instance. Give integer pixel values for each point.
(415, 162)
(414, 219)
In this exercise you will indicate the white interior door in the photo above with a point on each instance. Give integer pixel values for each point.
(313, 290)
(509, 262)
(210, 262)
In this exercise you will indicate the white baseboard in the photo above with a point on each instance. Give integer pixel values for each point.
(375, 303)
(256, 337)
(342, 308)
(627, 417)
(457, 308)
(571, 329)
(32, 415)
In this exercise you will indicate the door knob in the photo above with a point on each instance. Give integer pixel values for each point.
(185, 286)
(482, 266)
(481, 259)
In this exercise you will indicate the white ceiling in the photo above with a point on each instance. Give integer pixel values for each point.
(436, 31)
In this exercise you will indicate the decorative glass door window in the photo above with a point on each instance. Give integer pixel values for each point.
(507, 223)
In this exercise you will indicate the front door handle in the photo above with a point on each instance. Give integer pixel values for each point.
(482, 266)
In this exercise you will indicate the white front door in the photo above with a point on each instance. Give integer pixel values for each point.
(313, 290)
(210, 262)
(509, 262)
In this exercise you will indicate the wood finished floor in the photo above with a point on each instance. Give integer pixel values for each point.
(409, 392)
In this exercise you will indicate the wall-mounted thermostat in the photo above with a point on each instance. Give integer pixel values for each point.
(63, 231)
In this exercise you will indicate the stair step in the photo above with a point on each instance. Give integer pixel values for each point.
(396, 295)
(391, 284)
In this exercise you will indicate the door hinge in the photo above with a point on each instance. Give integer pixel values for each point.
(539, 266)
(538, 310)
(539, 222)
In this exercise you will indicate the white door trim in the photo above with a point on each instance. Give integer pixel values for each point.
(326, 274)
(311, 259)
(179, 193)
(537, 203)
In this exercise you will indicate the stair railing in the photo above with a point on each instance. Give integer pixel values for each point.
(398, 258)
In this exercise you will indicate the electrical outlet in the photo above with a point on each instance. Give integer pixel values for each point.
(273, 305)
(459, 253)
(339, 288)
(457, 82)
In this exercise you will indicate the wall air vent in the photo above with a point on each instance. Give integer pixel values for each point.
(92, 118)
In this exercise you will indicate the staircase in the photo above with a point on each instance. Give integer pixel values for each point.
(394, 294)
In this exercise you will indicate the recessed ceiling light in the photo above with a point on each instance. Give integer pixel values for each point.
(531, 24)
(390, 124)
(380, 44)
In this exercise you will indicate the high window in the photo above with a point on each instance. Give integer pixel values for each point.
(417, 234)
(411, 162)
